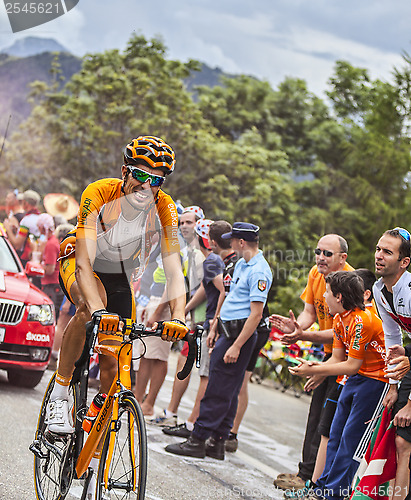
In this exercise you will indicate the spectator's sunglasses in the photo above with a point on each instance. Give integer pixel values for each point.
(142, 176)
(327, 253)
(403, 233)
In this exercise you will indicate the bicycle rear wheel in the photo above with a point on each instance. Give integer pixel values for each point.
(128, 464)
(49, 451)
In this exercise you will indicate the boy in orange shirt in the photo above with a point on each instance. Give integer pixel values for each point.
(359, 352)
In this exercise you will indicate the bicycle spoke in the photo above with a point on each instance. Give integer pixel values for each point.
(122, 471)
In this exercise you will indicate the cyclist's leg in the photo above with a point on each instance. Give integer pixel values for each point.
(75, 333)
(58, 417)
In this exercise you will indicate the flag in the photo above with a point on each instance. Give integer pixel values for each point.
(379, 464)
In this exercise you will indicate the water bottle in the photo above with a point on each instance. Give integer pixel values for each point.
(93, 411)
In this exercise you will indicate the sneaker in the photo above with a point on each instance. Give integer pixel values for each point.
(58, 417)
(177, 430)
(162, 420)
(215, 448)
(231, 444)
(191, 448)
(291, 481)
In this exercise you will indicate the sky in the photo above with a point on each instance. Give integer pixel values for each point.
(269, 39)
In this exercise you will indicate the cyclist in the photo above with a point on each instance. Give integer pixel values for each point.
(116, 225)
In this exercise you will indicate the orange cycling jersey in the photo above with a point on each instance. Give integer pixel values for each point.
(360, 333)
(314, 294)
(119, 240)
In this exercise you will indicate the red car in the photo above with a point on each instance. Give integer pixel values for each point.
(27, 320)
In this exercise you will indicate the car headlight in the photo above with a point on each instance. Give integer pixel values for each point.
(43, 314)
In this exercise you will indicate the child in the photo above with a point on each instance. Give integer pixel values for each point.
(359, 353)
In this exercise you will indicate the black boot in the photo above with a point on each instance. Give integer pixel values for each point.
(193, 447)
(215, 448)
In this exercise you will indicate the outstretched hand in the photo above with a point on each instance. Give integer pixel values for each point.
(282, 323)
(402, 367)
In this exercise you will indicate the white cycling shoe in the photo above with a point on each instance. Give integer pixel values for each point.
(58, 418)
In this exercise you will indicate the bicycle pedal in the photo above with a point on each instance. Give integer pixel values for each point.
(35, 448)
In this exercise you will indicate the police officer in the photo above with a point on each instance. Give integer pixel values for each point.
(239, 317)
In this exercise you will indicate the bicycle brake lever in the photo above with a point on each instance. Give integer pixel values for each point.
(198, 335)
(194, 352)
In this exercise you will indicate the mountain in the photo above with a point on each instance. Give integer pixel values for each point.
(18, 71)
(16, 74)
(31, 45)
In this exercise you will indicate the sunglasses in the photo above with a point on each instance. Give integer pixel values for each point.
(142, 176)
(326, 253)
(403, 233)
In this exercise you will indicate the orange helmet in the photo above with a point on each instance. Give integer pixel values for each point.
(150, 151)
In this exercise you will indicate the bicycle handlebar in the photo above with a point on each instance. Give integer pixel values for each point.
(138, 330)
(194, 344)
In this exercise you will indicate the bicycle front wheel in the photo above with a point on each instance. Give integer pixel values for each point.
(126, 473)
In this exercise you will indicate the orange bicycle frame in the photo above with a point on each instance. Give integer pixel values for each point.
(108, 344)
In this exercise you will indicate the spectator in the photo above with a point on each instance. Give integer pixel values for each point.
(239, 317)
(152, 367)
(330, 256)
(62, 230)
(211, 288)
(50, 281)
(62, 206)
(392, 293)
(27, 228)
(14, 210)
(192, 262)
(358, 352)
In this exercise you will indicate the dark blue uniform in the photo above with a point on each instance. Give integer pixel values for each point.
(251, 283)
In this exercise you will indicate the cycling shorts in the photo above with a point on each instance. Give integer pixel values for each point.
(120, 298)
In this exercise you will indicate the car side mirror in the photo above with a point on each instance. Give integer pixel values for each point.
(33, 269)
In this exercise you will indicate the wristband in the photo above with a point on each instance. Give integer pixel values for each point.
(178, 321)
(99, 312)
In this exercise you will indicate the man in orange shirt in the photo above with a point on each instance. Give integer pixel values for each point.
(330, 256)
(358, 352)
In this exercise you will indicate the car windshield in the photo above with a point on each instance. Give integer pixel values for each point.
(7, 261)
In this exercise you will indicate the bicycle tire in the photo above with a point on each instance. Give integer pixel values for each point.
(47, 468)
(121, 469)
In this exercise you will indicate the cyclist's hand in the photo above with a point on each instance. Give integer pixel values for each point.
(174, 330)
(109, 322)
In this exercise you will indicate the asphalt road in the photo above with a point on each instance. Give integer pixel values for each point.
(270, 440)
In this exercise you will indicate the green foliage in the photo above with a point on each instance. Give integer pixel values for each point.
(280, 158)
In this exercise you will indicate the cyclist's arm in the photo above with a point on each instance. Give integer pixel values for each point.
(85, 254)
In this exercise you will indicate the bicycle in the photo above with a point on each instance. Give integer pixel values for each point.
(119, 429)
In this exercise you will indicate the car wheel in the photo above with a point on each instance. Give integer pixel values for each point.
(24, 378)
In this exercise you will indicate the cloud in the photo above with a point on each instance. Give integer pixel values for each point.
(270, 39)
